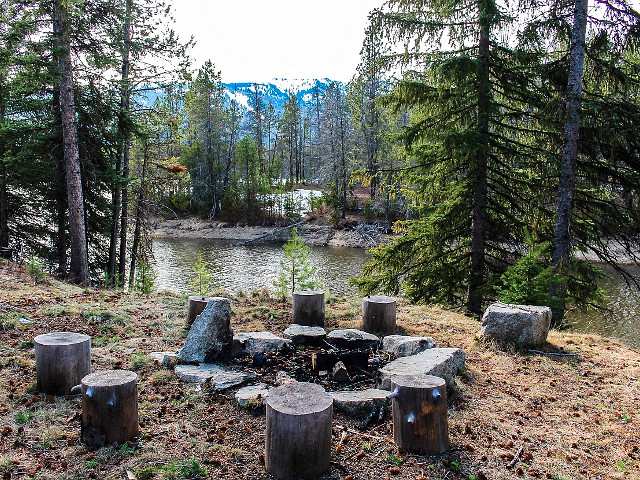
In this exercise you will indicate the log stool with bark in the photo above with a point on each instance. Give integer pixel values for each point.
(109, 407)
(379, 314)
(298, 436)
(420, 414)
(62, 359)
(308, 308)
(197, 304)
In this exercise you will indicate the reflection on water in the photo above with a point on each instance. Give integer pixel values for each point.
(248, 268)
(253, 267)
(622, 320)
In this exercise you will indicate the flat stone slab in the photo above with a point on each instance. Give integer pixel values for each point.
(303, 335)
(405, 345)
(439, 362)
(250, 343)
(164, 358)
(521, 324)
(253, 395)
(360, 403)
(220, 377)
(353, 339)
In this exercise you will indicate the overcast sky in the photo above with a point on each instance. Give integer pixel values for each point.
(257, 40)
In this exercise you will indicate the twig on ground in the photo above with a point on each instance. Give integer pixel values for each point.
(513, 462)
(554, 354)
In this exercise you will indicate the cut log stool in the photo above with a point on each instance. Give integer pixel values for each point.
(62, 359)
(308, 308)
(109, 407)
(420, 414)
(197, 304)
(298, 436)
(379, 315)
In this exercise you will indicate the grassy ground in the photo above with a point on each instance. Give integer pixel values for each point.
(512, 415)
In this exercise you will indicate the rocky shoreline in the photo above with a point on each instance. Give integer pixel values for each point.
(314, 232)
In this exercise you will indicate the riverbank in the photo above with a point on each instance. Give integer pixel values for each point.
(511, 414)
(315, 231)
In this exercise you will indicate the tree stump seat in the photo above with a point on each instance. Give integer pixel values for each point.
(308, 308)
(298, 433)
(109, 407)
(379, 315)
(62, 360)
(197, 304)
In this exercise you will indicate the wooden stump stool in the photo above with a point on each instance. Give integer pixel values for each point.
(197, 303)
(420, 414)
(379, 315)
(298, 436)
(308, 308)
(62, 359)
(109, 407)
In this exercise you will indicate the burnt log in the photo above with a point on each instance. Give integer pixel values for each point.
(419, 410)
(109, 407)
(62, 359)
(298, 433)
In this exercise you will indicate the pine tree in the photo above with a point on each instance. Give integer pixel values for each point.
(296, 269)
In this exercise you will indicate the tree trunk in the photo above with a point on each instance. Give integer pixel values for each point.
(139, 217)
(4, 207)
(478, 171)
(125, 101)
(79, 267)
(566, 187)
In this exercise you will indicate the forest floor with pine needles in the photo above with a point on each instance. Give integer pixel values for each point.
(512, 414)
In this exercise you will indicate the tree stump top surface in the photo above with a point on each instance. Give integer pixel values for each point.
(380, 299)
(418, 381)
(61, 338)
(109, 378)
(299, 398)
(309, 292)
(200, 298)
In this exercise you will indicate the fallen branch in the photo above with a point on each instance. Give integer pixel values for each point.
(271, 233)
(513, 462)
(554, 354)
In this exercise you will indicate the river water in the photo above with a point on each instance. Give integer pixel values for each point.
(252, 267)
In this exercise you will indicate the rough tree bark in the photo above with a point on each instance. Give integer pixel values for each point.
(566, 186)
(79, 267)
(139, 218)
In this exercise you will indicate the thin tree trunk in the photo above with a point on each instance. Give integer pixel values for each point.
(79, 267)
(139, 214)
(61, 200)
(125, 101)
(4, 207)
(566, 187)
(479, 179)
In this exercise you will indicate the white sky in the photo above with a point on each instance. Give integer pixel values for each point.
(257, 40)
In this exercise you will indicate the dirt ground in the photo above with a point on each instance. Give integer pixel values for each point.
(512, 414)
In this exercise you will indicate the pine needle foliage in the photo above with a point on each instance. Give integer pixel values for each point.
(296, 270)
(203, 276)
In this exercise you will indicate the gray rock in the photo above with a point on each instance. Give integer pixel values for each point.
(353, 339)
(220, 377)
(302, 335)
(253, 395)
(440, 362)
(360, 403)
(340, 373)
(210, 336)
(405, 345)
(283, 378)
(521, 324)
(167, 359)
(250, 343)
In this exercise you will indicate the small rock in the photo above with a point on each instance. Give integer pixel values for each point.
(220, 377)
(360, 403)
(302, 335)
(439, 362)
(405, 345)
(340, 373)
(521, 324)
(252, 395)
(353, 339)
(167, 359)
(250, 343)
(282, 378)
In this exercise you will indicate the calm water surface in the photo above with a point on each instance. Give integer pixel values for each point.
(249, 268)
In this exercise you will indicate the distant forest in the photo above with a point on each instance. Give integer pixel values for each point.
(498, 138)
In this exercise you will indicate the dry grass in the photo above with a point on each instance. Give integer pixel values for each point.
(512, 415)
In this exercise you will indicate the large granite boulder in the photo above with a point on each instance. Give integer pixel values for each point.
(250, 343)
(439, 362)
(211, 336)
(353, 339)
(520, 324)
(405, 345)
